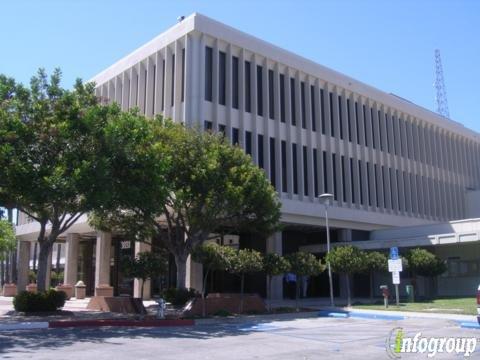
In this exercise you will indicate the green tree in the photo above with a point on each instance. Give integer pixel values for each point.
(422, 262)
(212, 187)
(274, 265)
(347, 260)
(213, 257)
(303, 264)
(245, 261)
(375, 261)
(7, 238)
(49, 153)
(145, 265)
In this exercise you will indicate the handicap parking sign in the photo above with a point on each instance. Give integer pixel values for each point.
(394, 253)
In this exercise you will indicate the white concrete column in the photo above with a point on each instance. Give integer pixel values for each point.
(137, 284)
(194, 277)
(71, 259)
(102, 258)
(23, 262)
(274, 246)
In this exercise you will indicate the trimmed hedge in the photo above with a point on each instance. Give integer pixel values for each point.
(50, 300)
(178, 297)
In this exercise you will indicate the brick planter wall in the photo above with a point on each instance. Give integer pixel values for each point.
(215, 302)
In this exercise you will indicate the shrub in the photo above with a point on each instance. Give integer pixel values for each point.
(50, 300)
(178, 297)
(223, 313)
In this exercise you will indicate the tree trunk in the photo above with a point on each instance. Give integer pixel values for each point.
(204, 301)
(141, 290)
(349, 299)
(181, 263)
(7, 268)
(269, 287)
(2, 271)
(242, 285)
(13, 263)
(43, 266)
(371, 286)
(297, 291)
(57, 264)
(35, 250)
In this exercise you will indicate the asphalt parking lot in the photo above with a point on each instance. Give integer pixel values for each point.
(314, 338)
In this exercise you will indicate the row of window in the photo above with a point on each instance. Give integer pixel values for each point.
(357, 123)
(370, 184)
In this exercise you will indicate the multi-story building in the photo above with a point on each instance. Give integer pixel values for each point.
(389, 163)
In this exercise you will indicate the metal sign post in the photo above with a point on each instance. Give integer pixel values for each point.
(395, 267)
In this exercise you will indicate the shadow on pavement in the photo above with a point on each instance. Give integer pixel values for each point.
(26, 341)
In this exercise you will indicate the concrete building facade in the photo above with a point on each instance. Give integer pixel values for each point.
(391, 165)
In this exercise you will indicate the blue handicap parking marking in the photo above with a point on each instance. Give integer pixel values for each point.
(258, 327)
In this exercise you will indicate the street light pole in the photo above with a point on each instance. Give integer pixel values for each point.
(326, 198)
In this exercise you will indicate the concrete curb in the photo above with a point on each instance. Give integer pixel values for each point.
(469, 325)
(358, 315)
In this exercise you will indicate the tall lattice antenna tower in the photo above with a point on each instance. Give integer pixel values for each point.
(441, 96)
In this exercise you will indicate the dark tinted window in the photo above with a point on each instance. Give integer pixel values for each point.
(302, 100)
(259, 90)
(315, 172)
(295, 168)
(183, 74)
(334, 173)
(271, 95)
(349, 121)
(325, 173)
(282, 98)
(272, 162)
(208, 73)
(340, 116)
(332, 124)
(221, 129)
(305, 171)
(322, 105)
(234, 136)
(222, 69)
(292, 101)
(260, 151)
(248, 84)
(235, 82)
(163, 85)
(248, 142)
(284, 166)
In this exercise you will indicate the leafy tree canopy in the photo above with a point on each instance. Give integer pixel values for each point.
(50, 153)
(246, 261)
(305, 264)
(422, 262)
(213, 256)
(210, 186)
(7, 237)
(274, 264)
(375, 261)
(347, 259)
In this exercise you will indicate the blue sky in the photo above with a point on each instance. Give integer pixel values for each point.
(387, 44)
